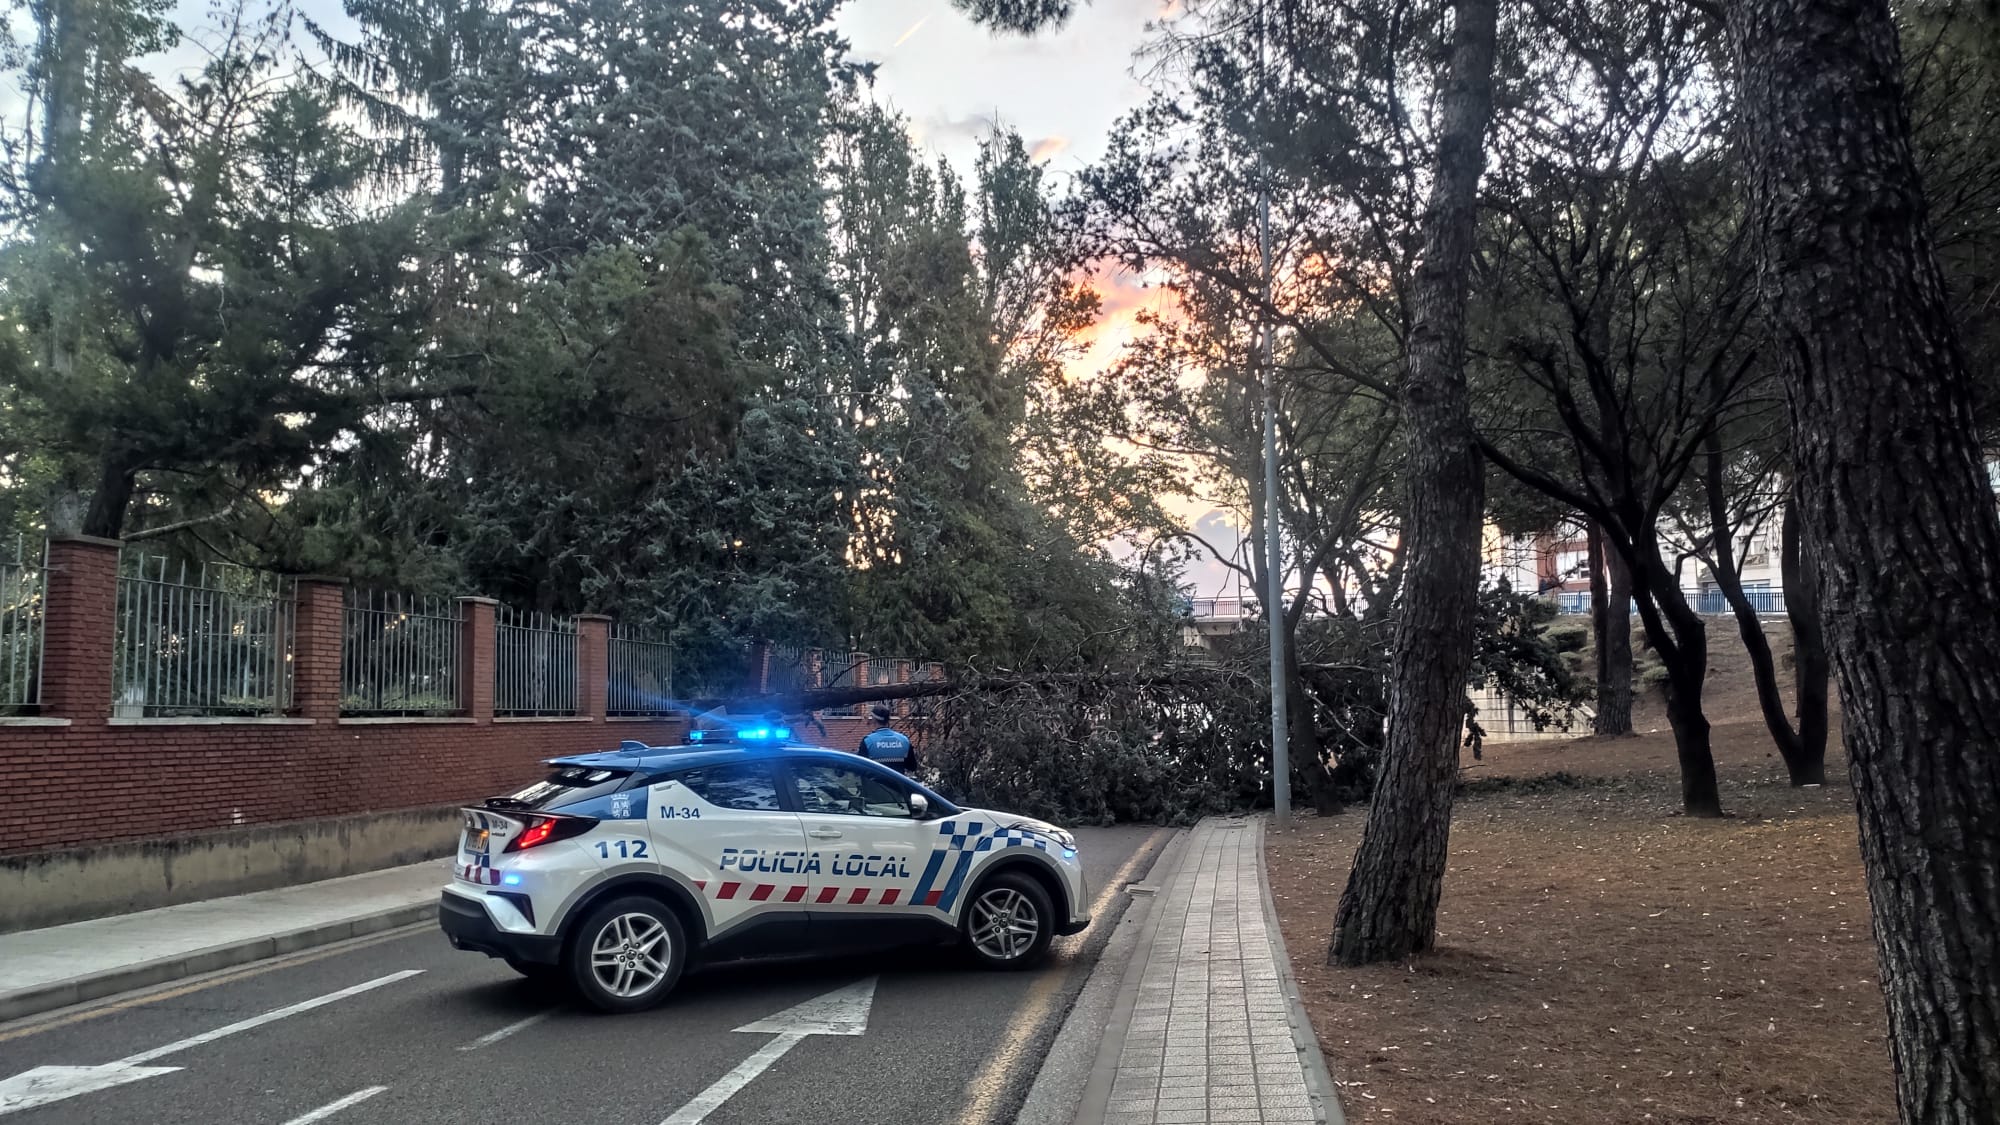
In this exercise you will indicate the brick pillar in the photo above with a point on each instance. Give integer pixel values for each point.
(318, 637)
(475, 657)
(79, 627)
(593, 664)
(858, 677)
(902, 706)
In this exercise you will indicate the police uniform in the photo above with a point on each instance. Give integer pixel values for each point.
(888, 746)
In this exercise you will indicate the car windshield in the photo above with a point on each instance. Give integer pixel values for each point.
(565, 786)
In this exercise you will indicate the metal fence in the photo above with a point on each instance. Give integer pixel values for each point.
(882, 672)
(789, 670)
(1578, 603)
(399, 655)
(921, 673)
(641, 665)
(837, 670)
(196, 639)
(534, 666)
(22, 589)
(1762, 599)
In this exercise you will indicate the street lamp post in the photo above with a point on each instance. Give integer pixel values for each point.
(1274, 575)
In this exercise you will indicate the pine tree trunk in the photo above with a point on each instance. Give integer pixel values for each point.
(1810, 671)
(1308, 757)
(1614, 641)
(1804, 768)
(1389, 909)
(1680, 639)
(1600, 597)
(1896, 513)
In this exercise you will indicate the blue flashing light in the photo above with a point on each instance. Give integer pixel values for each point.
(511, 880)
(1068, 853)
(744, 734)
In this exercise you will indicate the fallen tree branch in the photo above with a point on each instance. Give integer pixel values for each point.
(169, 528)
(822, 699)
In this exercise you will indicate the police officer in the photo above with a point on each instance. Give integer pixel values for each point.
(887, 745)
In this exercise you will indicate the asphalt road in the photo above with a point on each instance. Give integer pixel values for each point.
(460, 1038)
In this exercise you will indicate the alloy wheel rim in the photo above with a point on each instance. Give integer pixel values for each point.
(1005, 923)
(630, 954)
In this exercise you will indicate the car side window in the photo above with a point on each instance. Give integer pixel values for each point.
(749, 788)
(840, 791)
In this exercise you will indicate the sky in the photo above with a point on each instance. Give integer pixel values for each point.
(1062, 90)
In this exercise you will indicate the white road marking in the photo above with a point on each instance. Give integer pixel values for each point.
(726, 1087)
(844, 1011)
(271, 1016)
(331, 1108)
(45, 1084)
(492, 1037)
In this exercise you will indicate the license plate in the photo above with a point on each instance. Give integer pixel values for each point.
(476, 840)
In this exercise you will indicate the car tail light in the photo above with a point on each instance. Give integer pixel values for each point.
(541, 830)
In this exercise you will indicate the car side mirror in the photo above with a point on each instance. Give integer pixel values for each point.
(920, 806)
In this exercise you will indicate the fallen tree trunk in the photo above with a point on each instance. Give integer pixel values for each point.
(824, 699)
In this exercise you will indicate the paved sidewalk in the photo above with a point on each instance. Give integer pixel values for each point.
(1214, 1033)
(68, 964)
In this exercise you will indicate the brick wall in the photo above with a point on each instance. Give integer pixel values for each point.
(75, 775)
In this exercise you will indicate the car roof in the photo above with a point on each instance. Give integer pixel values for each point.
(645, 759)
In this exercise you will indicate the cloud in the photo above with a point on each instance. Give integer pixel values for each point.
(939, 129)
(1047, 147)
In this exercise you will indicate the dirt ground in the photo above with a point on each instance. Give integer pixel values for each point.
(1603, 959)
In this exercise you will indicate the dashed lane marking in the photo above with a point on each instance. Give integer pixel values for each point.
(492, 1037)
(331, 1108)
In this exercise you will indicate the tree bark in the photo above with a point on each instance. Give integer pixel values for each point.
(1308, 757)
(1389, 909)
(1896, 513)
(1804, 767)
(1678, 635)
(1810, 671)
(112, 498)
(1611, 605)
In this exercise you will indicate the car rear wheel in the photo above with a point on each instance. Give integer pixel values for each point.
(627, 955)
(1010, 922)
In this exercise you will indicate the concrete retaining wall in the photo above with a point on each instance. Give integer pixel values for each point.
(50, 888)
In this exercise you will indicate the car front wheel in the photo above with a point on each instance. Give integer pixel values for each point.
(627, 955)
(1010, 922)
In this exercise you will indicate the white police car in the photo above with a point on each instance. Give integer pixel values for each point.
(624, 867)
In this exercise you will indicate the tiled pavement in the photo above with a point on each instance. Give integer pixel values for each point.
(1211, 1037)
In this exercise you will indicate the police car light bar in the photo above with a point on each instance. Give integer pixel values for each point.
(748, 734)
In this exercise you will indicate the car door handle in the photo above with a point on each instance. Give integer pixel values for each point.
(825, 833)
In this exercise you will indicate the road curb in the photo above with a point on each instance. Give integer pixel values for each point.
(1319, 1080)
(95, 986)
(1095, 1098)
(1054, 1094)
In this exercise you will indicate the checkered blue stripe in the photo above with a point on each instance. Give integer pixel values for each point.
(1012, 838)
(961, 834)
